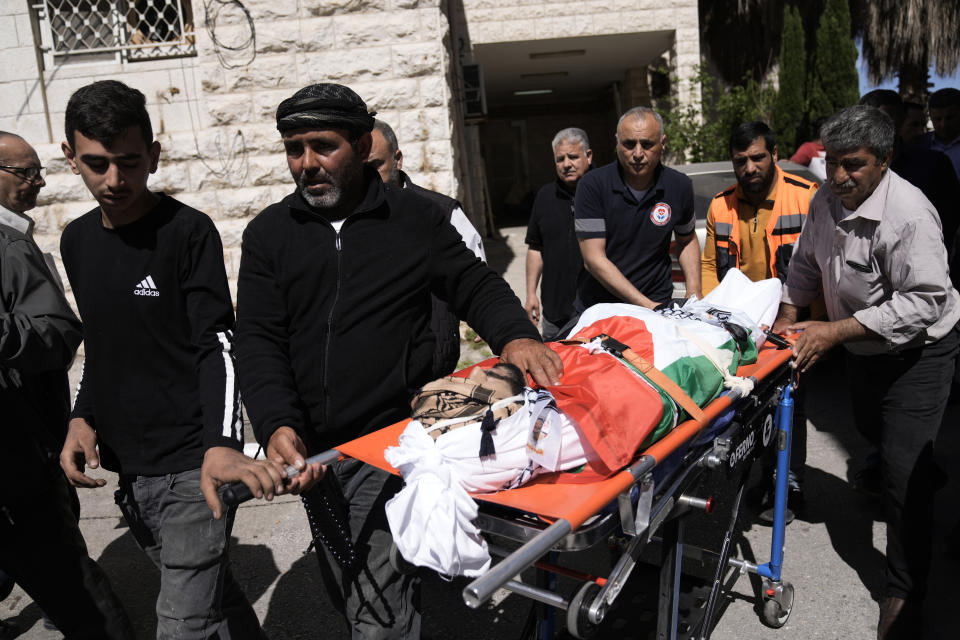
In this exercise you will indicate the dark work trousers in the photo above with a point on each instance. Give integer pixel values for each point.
(42, 549)
(378, 602)
(898, 404)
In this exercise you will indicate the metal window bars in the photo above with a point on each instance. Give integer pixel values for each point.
(136, 29)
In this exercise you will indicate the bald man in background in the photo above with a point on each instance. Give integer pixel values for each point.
(21, 178)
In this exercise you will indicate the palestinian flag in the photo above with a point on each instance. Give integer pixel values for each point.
(620, 414)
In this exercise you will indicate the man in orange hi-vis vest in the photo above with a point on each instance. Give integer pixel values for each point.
(753, 226)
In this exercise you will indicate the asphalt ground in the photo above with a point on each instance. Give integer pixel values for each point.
(833, 553)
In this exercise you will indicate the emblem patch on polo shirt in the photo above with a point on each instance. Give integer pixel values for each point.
(660, 215)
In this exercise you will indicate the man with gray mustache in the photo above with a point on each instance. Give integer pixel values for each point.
(873, 245)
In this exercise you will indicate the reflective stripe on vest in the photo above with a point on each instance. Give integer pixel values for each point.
(789, 224)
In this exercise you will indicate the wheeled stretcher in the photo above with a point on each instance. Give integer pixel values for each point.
(644, 503)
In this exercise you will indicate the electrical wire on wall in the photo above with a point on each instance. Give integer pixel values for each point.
(231, 151)
(231, 56)
(232, 156)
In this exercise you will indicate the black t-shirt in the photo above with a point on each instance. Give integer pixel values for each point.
(551, 232)
(638, 234)
(158, 377)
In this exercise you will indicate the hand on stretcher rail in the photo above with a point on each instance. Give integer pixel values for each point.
(235, 493)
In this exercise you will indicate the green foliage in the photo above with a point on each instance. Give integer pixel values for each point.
(695, 138)
(472, 350)
(790, 105)
(834, 82)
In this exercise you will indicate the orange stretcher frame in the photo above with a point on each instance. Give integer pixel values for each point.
(576, 503)
(569, 505)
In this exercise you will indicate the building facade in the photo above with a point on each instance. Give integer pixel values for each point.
(475, 89)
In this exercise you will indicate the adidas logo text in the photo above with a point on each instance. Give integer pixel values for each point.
(146, 287)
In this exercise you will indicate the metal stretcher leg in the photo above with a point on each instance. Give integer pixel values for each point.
(778, 595)
(546, 615)
(706, 626)
(671, 570)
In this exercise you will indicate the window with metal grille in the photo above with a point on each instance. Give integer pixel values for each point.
(134, 29)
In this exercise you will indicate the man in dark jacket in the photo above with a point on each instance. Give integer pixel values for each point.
(41, 546)
(333, 336)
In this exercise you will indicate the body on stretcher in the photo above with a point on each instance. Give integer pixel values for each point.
(638, 494)
(643, 501)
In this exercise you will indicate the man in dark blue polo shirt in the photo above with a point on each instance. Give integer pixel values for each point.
(552, 248)
(626, 213)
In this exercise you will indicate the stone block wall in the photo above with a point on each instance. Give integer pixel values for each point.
(214, 113)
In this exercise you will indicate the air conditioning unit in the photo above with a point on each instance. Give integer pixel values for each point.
(474, 97)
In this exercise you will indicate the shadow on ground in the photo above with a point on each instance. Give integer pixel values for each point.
(499, 253)
(137, 581)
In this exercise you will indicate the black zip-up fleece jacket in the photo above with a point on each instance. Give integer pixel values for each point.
(39, 334)
(333, 329)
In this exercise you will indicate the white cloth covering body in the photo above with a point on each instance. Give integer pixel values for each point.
(431, 518)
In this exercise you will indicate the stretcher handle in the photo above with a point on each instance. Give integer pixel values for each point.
(235, 493)
(480, 590)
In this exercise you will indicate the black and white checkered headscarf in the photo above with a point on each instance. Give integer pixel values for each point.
(324, 106)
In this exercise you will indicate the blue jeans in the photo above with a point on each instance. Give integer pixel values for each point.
(199, 597)
(378, 602)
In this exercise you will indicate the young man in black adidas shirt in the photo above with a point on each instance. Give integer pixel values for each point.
(157, 394)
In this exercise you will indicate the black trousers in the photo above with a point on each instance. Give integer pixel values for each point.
(899, 401)
(42, 549)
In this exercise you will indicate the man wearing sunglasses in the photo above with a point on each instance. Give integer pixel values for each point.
(21, 178)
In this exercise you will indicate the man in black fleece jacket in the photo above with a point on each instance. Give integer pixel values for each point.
(334, 336)
(157, 392)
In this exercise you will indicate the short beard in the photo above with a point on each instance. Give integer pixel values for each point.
(338, 186)
(759, 187)
(328, 200)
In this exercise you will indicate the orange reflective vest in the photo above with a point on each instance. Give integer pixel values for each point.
(789, 213)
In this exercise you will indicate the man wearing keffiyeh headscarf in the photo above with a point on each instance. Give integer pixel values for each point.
(333, 337)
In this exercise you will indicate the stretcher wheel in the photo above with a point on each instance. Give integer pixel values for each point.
(777, 610)
(578, 622)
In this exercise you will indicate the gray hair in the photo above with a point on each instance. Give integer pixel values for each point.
(641, 112)
(572, 135)
(388, 135)
(859, 126)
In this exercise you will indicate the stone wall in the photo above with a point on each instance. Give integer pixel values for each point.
(221, 151)
(214, 113)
